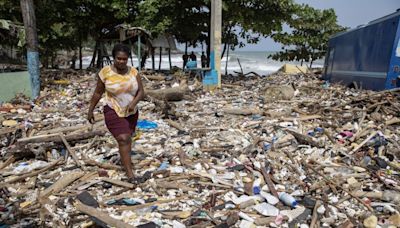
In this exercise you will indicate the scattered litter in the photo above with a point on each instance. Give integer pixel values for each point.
(259, 152)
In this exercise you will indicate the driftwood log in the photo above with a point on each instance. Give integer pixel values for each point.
(56, 137)
(305, 139)
(169, 94)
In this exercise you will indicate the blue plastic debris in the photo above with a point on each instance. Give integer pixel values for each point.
(163, 165)
(267, 146)
(145, 124)
(191, 64)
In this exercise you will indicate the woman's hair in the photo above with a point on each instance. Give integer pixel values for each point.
(121, 48)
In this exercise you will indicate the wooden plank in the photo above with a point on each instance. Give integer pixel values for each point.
(10, 129)
(71, 151)
(102, 216)
(56, 137)
(364, 142)
(269, 182)
(7, 162)
(61, 183)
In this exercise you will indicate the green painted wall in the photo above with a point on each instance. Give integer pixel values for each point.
(12, 83)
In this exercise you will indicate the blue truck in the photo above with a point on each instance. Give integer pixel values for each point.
(368, 56)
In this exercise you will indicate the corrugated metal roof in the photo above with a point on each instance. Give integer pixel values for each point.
(164, 41)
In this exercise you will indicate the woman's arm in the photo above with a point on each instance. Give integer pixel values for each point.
(140, 93)
(98, 92)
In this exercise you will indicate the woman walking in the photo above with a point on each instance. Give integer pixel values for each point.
(123, 88)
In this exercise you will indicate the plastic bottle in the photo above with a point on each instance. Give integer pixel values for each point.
(55, 154)
(287, 199)
(256, 186)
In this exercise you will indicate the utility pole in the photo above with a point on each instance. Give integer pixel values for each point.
(32, 44)
(212, 79)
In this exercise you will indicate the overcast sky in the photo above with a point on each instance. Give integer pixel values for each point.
(350, 13)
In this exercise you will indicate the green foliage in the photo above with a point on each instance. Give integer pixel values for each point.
(64, 24)
(254, 19)
(244, 22)
(311, 30)
(186, 20)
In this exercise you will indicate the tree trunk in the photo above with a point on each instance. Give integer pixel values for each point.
(99, 55)
(169, 58)
(52, 60)
(159, 65)
(227, 42)
(94, 54)
(80, 52)
(46, 60)
(153, 61)
(227, 60)
(32, 44)
(223, 50)
(241, 69)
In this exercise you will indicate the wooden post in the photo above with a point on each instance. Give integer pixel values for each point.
(212, 79)
(32, 44)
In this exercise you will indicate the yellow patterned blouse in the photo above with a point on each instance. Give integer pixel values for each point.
(120, 89)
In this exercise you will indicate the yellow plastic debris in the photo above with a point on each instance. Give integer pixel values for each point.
(293, 69)
(137, 135)
(9, 123)
(62, 82)
(25, 204)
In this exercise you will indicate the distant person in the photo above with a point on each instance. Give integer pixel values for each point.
(123, 88)
(203, 60)
(185, 58)
(193, 56)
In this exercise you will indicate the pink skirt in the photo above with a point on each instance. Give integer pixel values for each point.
(119, 125)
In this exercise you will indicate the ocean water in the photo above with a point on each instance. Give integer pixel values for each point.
(250, 61)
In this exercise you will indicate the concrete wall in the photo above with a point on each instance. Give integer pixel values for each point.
(13, 83)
